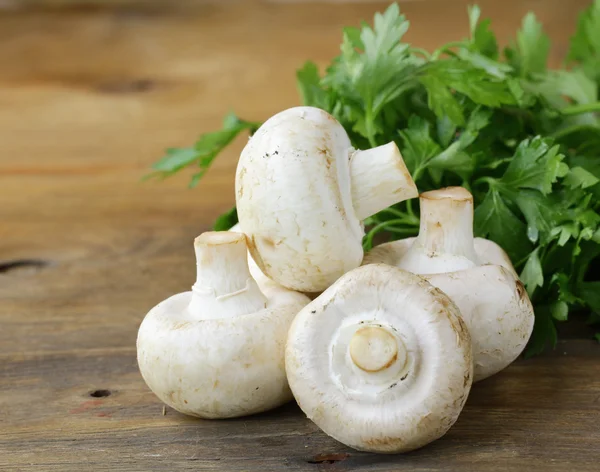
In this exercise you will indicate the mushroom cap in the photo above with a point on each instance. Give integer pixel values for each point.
(381, 361)
(491, 253)
(497, 310)
(294, 200)
(491, 299)
(488, 252)
(217, 368)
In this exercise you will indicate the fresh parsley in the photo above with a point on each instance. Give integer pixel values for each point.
(524, 139)
(203, 153)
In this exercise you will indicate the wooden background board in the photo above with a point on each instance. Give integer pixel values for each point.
(90, 95)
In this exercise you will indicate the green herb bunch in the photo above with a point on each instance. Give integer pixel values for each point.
(524, 139)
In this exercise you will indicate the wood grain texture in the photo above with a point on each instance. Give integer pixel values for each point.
(90, 94)
(538, 415)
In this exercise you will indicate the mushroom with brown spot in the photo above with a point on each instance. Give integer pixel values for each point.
(474, 272)
(380, 361)
(300, 170)
(218, 350)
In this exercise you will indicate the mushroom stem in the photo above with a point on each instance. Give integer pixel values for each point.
(447, 223)
(374, 349)
(379, 179)
(224, 287)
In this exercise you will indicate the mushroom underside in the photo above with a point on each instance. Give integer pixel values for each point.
(381, 361)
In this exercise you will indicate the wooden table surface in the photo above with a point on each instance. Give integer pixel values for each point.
(90, 95)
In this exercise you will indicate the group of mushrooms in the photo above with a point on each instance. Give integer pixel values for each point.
(383, 359)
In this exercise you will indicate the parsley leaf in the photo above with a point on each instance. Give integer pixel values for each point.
(544, 331)
(205, 150)
(557, 86)
(442, 77)
(226, 220)
(559, 310)
(422, 152)
(585, 43)
(496, 221)
(532, 275)
(541, 213)
(441, 100)
(529, 54)
(483, 39)
(309, 86)
(418, 145)
(373, 69)
(579, 177)
(527, 181)
(536, 164)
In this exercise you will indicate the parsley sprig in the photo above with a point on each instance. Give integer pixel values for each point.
(524, 139)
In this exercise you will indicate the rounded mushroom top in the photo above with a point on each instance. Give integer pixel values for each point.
(381, 361)
(497, 310)
(302, 191)
(488, 253)
(217, 351)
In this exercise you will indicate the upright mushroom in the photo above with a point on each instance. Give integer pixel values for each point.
(218, 351)
(381, 360)
(265, 284)
(475, 273)
(302, 191)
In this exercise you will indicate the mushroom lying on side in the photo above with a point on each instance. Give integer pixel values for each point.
(381, 360)
(302, 192)
(218, 351)
(475, 273)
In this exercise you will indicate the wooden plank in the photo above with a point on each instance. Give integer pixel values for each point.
(89, 97)
(540, 414)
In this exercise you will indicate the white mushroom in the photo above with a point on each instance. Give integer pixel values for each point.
(475, 273)
(381, 360)
(218, 351)
(302, 192)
